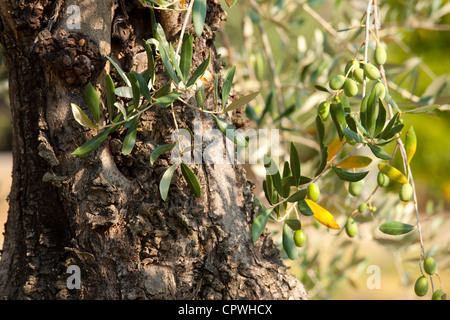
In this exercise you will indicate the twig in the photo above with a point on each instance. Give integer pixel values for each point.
(183, 29)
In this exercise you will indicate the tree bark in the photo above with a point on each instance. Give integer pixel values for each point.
(102, 212)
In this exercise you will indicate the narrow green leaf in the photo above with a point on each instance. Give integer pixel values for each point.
(228, 81)
(381, 119)
(95, 142)
(272, 169)
(124, 92)
(175, 63)
(350, 176)
(423, 109)
(288, 242)
(320, 131)
(304, 208)
(352, 136)
(166, 179)
(160, 150)
(136, 90)
(122, 110)
(268, 188)
(199, 16)
(295, 163)
(379, 152)
(297, 196)
(167, 100)
(150, 65)
(81, 117)
(120, 71)
(191, 180)
(186, 55)
(388, 127)
(93, 101)
(130, 137)
(321, 88)
(143, 86)
(241, 102)
(396, 129)
(110, 96)
(292, 220)
(168, 65)
(338, 116)
(259, 224)
(323, 161)
(231, 133)
(199, 71)
(396, 228)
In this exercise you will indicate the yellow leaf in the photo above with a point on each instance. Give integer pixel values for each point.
(182, 3)
(354, 162)
(334, 148)
(322, 215)
(393, 173)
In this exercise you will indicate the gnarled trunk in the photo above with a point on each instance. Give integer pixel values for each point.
(102, 212)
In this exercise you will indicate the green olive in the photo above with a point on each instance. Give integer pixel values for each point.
(350, 87)
(406, 192)
(429, 265)
(358, 75)
(371, 71)
(324, 110)
(313, 192)
(380, 55)
(336, 82)
(299, 238)
(355, 188)
(382, 179)
(362, 207)
(421, 286)
(438, 295)
(351, 228)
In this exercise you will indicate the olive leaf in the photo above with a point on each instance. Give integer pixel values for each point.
(186, 55)
(166, 179)
(199, 71)
(199, 16)
(295, 164)
(167, 100)
(288, 242)
(297, 196)
(160, 150)
(355, 162)
(95, 142)
(349, 176)
(240, 102)
(396, 228)
(259, 224)
(226, 87)
(168, 65)
(110, 96)
(191, 180)
(81, 117)
(93, 101)
(230, 132)
(304, 208)
(130, 137)
(120, 71)
(379, 152)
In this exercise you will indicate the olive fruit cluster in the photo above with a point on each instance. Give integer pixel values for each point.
(421, 284)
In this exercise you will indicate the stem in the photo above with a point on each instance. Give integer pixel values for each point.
(366, 44)
(403, 152)
(183, 29)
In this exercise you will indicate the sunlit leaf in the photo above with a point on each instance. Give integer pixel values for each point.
(166, 179)
(120, 71)
(186, 55)
(199, 71)
(393, 173)
(423, 109)
(322, 215)
(230, 132)
(81, 117)
(241, 102)
(355, 162)
(226, 87)
(93, 101)
(334, 147)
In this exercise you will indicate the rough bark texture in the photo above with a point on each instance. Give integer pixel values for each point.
(103, 212)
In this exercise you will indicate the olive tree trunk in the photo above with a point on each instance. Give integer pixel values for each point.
(102, 213)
